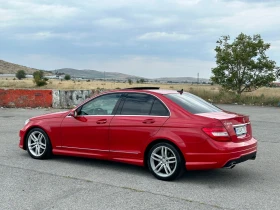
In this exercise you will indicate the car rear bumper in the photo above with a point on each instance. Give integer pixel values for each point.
(222, 158)
(243, 158)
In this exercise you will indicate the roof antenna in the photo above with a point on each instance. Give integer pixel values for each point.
(180, 91)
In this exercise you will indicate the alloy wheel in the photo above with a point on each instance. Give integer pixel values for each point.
(163, 161)
(37, 143)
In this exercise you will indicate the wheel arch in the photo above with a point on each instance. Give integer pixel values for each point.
(151, 144)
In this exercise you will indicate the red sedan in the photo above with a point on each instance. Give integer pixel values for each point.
(167, 131)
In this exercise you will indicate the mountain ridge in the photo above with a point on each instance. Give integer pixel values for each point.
(11, 68)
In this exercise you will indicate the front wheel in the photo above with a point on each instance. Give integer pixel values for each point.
(38, 144)
(165, 161)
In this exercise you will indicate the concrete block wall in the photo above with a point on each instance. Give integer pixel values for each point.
(44, 98)
(70, 98)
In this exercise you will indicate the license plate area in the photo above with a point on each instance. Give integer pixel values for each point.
(240, 130)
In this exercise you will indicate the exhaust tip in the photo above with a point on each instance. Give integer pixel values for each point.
(230, 165)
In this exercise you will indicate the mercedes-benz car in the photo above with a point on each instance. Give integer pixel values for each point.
(167, 131)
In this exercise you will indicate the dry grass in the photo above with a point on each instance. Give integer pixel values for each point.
(84, 85)
(262, 96)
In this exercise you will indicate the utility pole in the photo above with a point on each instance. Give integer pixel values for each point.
(197, 78)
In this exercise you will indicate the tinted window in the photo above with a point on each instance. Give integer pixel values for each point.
(159, 109)
(192, 103)
(137, 104)
(103, 105)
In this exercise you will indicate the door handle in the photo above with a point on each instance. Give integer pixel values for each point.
(103, 121)
(149, 121)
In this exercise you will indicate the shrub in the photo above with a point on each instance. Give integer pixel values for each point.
(20, 74)
(130, 81)
(41, 83)
(39, 78)
(67, 77)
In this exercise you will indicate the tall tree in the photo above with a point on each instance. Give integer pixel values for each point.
(243, 64)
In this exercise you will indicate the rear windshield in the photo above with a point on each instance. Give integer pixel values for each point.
(192, 103)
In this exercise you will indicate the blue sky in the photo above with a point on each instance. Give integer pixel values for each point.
(149, 38)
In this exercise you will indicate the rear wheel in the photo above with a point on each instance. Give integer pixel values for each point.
(165, 161)
(38, 144)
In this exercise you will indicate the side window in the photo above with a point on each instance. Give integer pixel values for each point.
(159, 109)
(103, 105)
(137, 104)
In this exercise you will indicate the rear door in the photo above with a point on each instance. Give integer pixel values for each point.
(138, 119)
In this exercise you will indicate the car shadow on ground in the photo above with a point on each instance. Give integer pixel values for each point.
(101, 164)
(231, 177)
(242, 174)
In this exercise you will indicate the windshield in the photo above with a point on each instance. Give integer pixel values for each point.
(192, 103)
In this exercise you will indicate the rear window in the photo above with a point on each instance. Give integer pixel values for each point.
(192, 103)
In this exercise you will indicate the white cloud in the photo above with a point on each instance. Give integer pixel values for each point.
(42, 35)
(154, 36)
(113, 23)
(97, 44)
(19, 13)
(153, 30)
(161, 21)
(186, 2)
(253, 18)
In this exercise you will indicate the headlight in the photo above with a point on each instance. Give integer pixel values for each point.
(26, 121)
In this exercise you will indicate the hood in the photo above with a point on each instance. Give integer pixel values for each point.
(51, 115)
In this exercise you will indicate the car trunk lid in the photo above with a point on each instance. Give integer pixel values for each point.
(238, 126)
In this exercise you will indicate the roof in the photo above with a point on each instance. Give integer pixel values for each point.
(163, 91)
(144, 90)
(151, 89)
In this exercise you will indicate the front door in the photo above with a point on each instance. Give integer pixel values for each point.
(89, 132)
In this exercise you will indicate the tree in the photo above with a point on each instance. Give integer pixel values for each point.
(67, 77)
(20, 74)
(243, 65)
(39, 78)
(142, 80)
(130, 81)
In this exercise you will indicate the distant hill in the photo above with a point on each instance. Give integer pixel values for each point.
(94, 74)
(11, 68)
(181, 79)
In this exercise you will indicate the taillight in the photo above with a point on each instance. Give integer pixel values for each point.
(218, 133)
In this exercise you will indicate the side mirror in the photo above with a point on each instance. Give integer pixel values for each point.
(73, 114)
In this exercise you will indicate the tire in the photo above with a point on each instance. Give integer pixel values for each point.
(38, 144)
(165, 162)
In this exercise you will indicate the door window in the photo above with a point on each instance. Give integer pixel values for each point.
(159, 109)
(103, 105)
(143, 104)
(137, 104)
